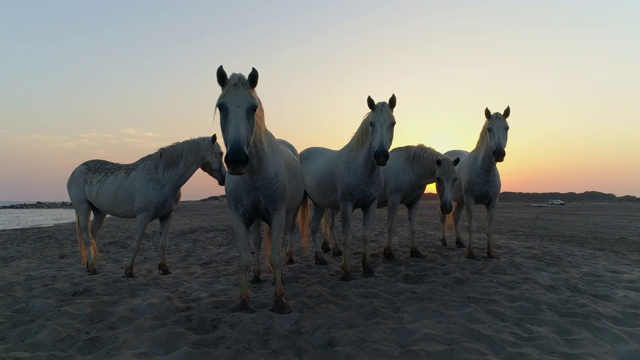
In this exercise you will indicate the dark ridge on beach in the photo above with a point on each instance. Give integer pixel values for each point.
(588, 196)
(40, 205)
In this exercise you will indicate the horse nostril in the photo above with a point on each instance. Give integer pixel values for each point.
(499, 154)
(381, 156)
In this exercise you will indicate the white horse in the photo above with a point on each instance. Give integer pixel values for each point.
(350, 178)
(146, 190)
(409, 170)
(265, 182)
(479, 179)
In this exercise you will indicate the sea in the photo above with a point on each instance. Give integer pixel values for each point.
(30, 218)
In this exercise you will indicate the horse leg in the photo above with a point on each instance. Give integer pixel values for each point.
(314, 224)
(85, 240)
(290, 228)
(326, 230)
(457, 216)
(491, 210)
(242, 236)
(142, 220)
(392, 210)
(413, 214)
(471, 229)
(368, 217)
(278, 224)
(443, 223)
(254, 232)
(164, 236)
(335, 249)
(346, 209)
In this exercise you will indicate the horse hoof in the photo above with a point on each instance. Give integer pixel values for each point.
(346, 276)
(256, 279)
(164, 270)
(320, 260)
(368, 272)
(280, 306)
(290, 260)
(490, 256)
(444, 242)
(388, 254)
(337, 252)
(416, 254)
(459, 243)
(243, 307)
(471, 255)
(325, 247)
(93, 270)
(128, 273)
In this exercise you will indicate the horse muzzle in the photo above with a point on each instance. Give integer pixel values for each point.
(499, 154)
(445, 208)
(381, 157)
(221, 178)
(236, 161)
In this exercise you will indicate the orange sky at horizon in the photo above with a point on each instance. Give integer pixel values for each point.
(119, 80)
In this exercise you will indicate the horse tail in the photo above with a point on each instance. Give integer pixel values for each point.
(83, 250)
(303, 222)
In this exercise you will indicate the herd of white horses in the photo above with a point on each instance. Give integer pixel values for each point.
(268, 182)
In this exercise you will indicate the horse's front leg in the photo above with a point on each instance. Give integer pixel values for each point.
(368, 218)
(142, 220)
(392, 210)
(491, 210)
(413, 214)
(314, 225)
(164, 237)
(346, 209)
(280, 305)
(242, 236)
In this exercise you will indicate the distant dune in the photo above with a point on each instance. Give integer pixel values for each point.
(588, 196)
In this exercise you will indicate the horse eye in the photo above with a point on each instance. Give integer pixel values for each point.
(393, 124)
(438, 179)
(370, 124)
(488, 129)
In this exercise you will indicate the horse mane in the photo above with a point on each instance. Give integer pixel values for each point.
(169, 157)
(483, 134)
(239, 83)
(363, 133)
(419, 154)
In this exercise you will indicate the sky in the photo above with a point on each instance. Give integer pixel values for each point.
(117, 80)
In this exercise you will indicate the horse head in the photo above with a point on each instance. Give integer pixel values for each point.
(238, 105)
(496, 132)
(213, 164)
(446, 179)
(381, 124)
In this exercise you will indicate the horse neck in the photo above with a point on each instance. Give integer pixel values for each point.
(360, 157)
(178, 173)
(427, 165)
(485, 161)
(261, 151)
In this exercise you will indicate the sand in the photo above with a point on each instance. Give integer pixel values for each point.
(565, 283)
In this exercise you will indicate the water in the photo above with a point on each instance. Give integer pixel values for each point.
(28, 218)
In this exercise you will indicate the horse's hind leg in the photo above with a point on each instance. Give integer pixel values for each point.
(256, 236)
(164, 237)
(314, 224)
(471, 229)
(392, 210)
(331, 223)
(491, 210)
(368, 215)
(413, 214)
(142, 220)
(86, 242)
(457, 216)
(290, 227)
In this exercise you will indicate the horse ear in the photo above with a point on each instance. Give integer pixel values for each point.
(506, 112)
(438, 162)
(253, 78)
(222, 77)
(392, 101)
(487, 113)
(214, 138)
(371, 103)
(456, 161)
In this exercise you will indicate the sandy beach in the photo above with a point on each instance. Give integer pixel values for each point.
(565, 283)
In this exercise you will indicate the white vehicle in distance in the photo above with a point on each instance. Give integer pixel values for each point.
(556, 202)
